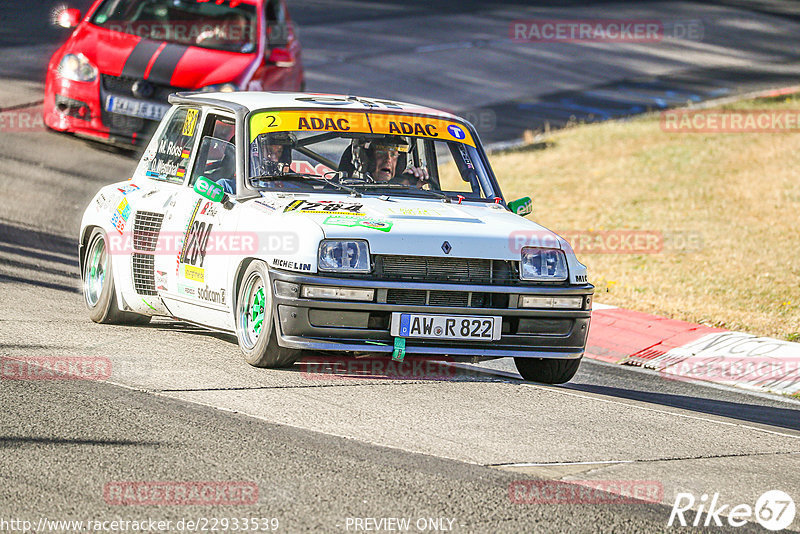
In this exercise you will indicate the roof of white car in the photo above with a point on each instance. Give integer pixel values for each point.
(254, 100)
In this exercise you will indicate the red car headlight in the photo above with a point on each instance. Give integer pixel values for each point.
(78, 68)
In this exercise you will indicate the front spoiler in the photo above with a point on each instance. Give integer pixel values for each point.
(295, 329)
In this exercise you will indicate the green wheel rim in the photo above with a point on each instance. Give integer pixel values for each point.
(254, 311)
(95, 279)
(257, 311)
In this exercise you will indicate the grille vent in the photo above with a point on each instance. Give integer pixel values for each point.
(434, 269)
(146, 227)
(421, 297)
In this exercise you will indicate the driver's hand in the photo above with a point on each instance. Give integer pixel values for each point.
(416, 174)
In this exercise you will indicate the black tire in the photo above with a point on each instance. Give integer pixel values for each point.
(547, 371)
(259, 344)
(99, 295)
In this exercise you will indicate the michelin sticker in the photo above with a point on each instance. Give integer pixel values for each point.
(292, 265)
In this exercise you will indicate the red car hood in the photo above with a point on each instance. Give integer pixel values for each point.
(187, 67)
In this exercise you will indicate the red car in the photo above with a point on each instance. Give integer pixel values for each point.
(111, 79)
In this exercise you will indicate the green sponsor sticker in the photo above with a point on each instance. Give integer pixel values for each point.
(522, 206)
(208, 189)
(399, 349)
(343, 220)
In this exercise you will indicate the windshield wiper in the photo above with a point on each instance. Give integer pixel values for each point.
(305, 176)
(386, 185)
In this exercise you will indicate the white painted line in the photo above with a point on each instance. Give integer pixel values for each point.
(665, 412)
(563, 463)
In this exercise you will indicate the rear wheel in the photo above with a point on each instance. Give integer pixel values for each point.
(255, 324)
(98, 285)
(547, 371)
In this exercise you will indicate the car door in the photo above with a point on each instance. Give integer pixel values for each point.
(156, 184)
(197, 274)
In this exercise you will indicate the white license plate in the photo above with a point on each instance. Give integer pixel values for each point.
(471, 327)
(136, 108)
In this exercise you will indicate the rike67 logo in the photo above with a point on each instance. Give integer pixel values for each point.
(774, 510)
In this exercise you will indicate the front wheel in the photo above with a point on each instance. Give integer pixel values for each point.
(547, 371)
(255, 325)
(98, 285)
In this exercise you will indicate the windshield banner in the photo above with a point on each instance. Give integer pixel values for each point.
(358, 122)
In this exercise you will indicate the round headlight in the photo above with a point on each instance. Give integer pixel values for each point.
(78, 68)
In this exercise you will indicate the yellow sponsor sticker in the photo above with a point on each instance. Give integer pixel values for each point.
(195, 274)
(191, 122)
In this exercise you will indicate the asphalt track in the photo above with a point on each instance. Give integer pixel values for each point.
(181, 405)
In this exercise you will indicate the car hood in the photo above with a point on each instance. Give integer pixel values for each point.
(420, 227)
(187, 67)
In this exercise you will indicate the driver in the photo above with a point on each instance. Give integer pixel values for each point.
(270, 155)
(381, 162)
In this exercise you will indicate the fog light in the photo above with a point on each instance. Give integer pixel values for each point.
(341, 293)
(287, 289)
(551, 302)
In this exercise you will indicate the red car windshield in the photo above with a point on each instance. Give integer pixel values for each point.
(227, 25)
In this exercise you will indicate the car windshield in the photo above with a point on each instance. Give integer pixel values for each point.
(408, 156)
(228, 25)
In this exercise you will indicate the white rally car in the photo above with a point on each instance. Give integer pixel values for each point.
(308, 222)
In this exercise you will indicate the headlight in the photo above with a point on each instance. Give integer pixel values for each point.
(344, 256)
(78, 68)
(219, 88)
(543, 264)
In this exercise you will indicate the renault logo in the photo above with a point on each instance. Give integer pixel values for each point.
(446, 247)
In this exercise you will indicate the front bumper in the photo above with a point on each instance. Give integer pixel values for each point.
(78, 107)
(337, 325)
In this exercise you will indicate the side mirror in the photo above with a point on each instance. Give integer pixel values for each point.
(280, 57)
(208, 189)
(68, 18)
(522, 206)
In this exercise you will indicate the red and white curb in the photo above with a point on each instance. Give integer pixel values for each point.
(686, 351)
